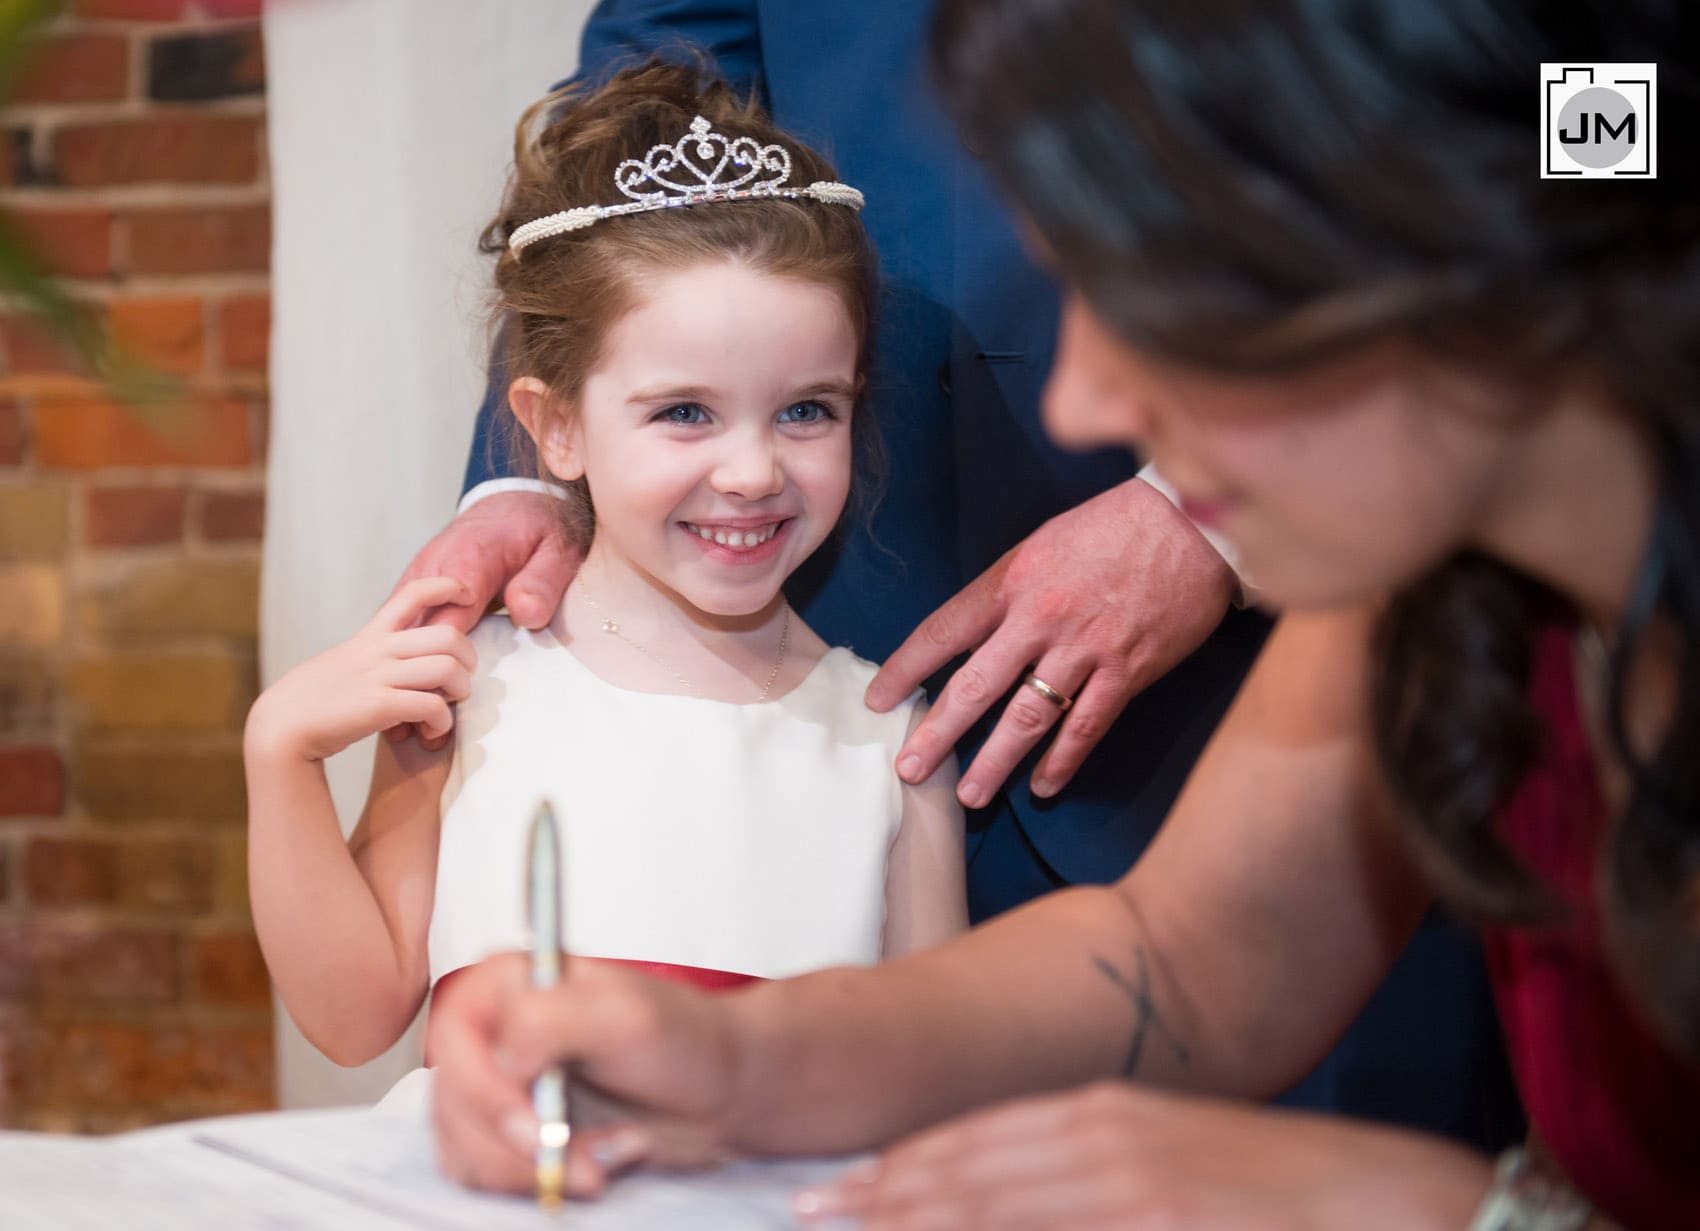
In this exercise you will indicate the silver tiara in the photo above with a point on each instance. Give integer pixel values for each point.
(689, 173)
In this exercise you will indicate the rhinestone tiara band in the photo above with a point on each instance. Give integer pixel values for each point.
(700, 167)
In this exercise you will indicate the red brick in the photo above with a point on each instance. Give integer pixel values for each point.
(33, 350)
(17, 960)
(75, 243)
(168, 334)
(244, 328)
(132, 10)
(132, 516)
(32, 782)
(96, 1062)
(121, 780)
(11, 433)
(76, 68)
(201, 241)
(14, 155)
(85, 432)
(108, 964)
(13, 1028)
(161, 691)
(70, 872)
(233, 517)
(174, 150)
(229, 970)
(169, 876)
(262, 427)
(29, 692)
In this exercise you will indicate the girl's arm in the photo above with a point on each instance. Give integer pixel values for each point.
(926, 895)
(343, 925)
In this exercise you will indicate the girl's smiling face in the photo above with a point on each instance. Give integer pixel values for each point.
(714, 432)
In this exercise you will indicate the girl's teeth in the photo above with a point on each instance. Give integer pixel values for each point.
(736, 538)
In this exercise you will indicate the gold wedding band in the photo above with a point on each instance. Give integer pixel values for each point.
(1050, 694)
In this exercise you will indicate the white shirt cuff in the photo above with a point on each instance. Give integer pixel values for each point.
(1225, 549)
(491, 487)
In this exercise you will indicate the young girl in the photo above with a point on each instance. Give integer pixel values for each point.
(728, 804)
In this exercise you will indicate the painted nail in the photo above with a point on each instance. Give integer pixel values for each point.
(621, 1148)
(520, 1128)
(971, 795)
(909, 768)
(821, 1201)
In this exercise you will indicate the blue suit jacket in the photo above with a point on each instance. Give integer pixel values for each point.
(965, 337)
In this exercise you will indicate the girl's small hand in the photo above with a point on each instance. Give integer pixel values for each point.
(1116, 1157)
(392, 671)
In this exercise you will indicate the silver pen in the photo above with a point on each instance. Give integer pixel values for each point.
(549, 1089)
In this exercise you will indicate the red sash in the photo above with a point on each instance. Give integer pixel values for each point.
(696, 976)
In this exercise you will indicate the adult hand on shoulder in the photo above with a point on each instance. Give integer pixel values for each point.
(1116, 1157)
(653, 1072)
(1098, 602)
(509, 543)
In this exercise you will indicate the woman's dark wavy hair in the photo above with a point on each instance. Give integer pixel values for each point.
(1254, 186)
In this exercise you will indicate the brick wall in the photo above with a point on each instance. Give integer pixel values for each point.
(131, 990)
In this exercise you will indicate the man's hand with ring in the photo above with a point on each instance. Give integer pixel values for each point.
(1093, 606)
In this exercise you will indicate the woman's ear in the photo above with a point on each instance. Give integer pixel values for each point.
(549, 425)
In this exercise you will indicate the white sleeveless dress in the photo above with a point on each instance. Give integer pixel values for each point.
(743, 838)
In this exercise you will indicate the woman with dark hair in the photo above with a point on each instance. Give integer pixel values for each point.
(1449, 411)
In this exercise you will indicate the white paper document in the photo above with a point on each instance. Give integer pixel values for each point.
(343, 1171)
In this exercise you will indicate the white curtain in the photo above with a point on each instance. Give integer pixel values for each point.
(391, 126)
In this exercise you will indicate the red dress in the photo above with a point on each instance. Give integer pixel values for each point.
(1614, 1107)
(696, 976)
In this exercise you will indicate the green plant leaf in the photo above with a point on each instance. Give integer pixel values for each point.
(19, 21)
(27, 282)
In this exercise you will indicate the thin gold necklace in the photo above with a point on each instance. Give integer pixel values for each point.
(612, 626)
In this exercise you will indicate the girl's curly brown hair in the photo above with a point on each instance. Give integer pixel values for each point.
(555, 301)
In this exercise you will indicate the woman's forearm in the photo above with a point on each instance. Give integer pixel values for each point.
(325, 938)
(1196, 972)
(1038, 998)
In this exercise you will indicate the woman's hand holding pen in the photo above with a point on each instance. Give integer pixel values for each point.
(392, 671)
(654, 1072)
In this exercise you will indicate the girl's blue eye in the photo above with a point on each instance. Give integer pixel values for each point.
(807, 412)
(685, 412)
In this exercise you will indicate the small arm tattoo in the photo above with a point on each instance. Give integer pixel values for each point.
(1147, 1019)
